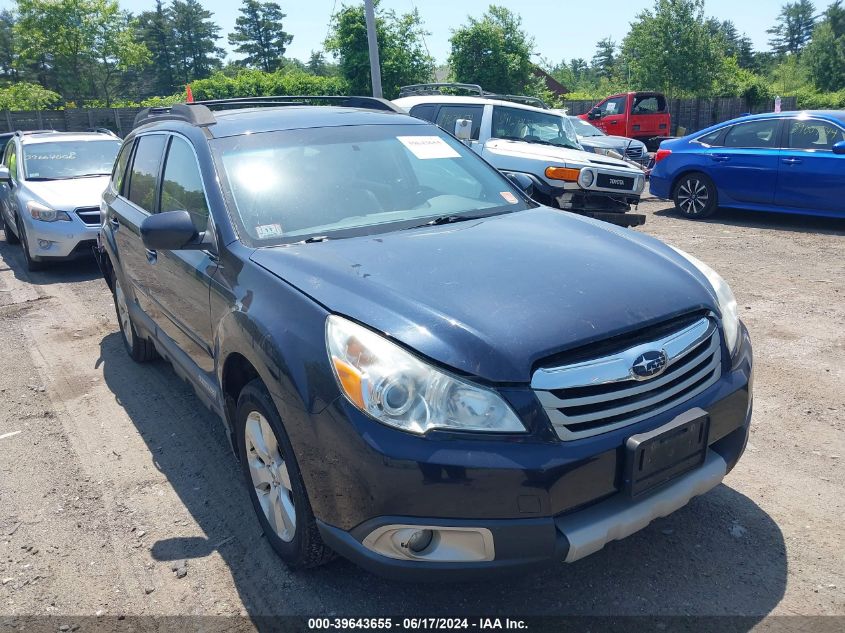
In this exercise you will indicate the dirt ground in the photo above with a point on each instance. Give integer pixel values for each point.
(112, 474)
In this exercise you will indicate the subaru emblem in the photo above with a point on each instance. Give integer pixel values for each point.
(649, 364)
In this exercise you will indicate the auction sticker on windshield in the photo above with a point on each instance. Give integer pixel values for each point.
(425, 147)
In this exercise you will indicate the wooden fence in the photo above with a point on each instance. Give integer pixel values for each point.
(690, 114)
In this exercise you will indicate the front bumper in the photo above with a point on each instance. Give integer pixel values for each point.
(542, 499)
(67, 240)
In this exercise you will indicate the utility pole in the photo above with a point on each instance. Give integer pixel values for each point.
(372, 40)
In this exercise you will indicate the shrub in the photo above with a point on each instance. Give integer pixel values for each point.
(28, 96)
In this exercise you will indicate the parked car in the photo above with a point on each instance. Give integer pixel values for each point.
(594, 140)
(52, 183)
(535, 142)
(640, 115)
(790, 162)
(419, 367)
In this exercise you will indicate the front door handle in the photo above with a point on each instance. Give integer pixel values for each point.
(152, 256)
(791, 161)
(719, 158)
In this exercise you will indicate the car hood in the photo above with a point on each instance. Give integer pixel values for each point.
(492, 297)
(67, 195)
(571, 157)
(609, 142)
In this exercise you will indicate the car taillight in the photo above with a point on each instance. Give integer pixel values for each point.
(661, 154)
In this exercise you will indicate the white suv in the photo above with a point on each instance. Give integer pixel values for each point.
(523, 139)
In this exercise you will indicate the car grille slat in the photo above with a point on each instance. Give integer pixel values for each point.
(89, 215)
(634, 152)
(602, 394)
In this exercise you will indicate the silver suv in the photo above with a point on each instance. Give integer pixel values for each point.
(50, 189)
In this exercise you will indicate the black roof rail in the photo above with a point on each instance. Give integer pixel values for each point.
(436, 89)
(200, 113)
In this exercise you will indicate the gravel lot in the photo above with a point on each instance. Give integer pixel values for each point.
(113, 475)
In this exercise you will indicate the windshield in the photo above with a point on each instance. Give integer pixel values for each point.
(582, 128)
(69, 159)
(518, 124)
(291, 185)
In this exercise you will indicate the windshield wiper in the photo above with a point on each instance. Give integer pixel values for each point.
(313, 239)
(446, 219)
(39, 179)
(87, 176)
(537, 141)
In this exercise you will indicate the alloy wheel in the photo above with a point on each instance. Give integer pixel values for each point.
(693, 196)
(269, 474)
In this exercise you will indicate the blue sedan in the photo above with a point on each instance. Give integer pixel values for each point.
(788, 162)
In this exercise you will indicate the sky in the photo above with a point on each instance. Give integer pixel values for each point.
(561, 28)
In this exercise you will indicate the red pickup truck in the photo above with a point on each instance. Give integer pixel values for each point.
(640, 115)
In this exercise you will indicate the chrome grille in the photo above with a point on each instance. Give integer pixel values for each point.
(602, 394)
(634, 152)
(89, 215)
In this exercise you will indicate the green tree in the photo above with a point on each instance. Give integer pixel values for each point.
(404, 58)
(155, 29)
(259, 35)
(604, 60)
(494, 52)
(317, 64)
(671, 48)
(8, 53)
(793, 29)
(27, 96)
(77, 45)
(825, 54)
(196, 53)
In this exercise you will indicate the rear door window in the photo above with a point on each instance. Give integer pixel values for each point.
(145, 169)
(181, 185)
(648, 104)
(425, 111)
(11, 159)
(753, 134)
(449, 114)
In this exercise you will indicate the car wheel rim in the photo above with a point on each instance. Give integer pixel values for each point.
(693, 196)
(270, 477)
(123, 314)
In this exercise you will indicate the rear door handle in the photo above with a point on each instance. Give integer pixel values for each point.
(115, 223)
(719, 158)
(791, 161)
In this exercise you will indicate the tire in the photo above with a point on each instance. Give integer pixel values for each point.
(275, 484)
(11, 237)
(31, 264)
(695, 196)
(139, 349)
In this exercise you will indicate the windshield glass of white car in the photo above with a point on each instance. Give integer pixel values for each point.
(290, 185)
(518, 124)
(69, 159)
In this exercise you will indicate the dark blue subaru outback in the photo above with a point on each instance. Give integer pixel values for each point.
(419, 368)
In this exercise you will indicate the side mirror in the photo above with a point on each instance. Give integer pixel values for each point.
(463, 129)
(5, 176)
(520, 180)
(170, 231)
(595, 113)
(839, 148)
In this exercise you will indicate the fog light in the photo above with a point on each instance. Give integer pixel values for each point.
(420, 540)
(44, 244)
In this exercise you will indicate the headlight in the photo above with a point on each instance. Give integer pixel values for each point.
(639, 184)
(39, 212)
(400, 390)
(727, 302)
(586, 178)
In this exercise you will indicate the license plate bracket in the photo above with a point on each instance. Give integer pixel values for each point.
(655, 457)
